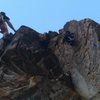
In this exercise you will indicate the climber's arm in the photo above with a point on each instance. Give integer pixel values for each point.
(10, 25)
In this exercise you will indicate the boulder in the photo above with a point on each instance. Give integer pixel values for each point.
(36, 66)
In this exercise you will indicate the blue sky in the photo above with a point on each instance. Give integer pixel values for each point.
(45, 15)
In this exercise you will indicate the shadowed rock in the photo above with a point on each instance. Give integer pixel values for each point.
(46, 66)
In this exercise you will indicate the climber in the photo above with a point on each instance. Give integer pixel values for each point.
(3, 20)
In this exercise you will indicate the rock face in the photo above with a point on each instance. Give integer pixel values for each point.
(35, 66)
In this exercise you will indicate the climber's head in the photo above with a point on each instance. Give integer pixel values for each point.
(3, 13)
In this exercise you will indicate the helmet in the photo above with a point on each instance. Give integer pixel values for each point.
(3, 13)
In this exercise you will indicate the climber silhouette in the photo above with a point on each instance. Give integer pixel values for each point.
(3, 26)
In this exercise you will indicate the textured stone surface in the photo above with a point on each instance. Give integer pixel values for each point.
(84, 57)
(37, 66)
